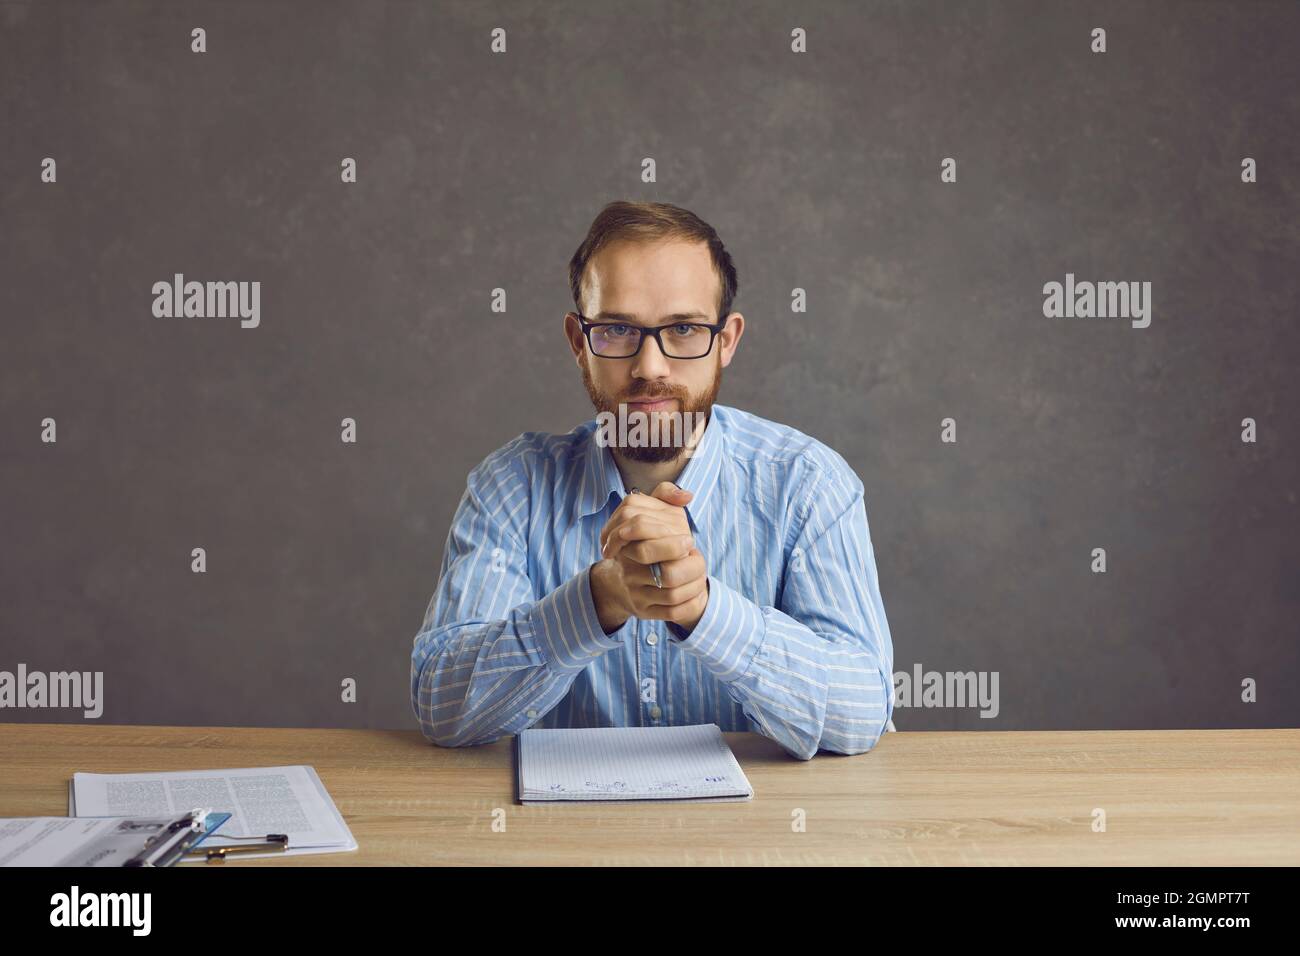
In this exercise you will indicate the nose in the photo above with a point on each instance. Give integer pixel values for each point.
(650, 362)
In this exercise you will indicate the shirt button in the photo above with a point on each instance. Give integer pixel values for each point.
(532, 713)
(655, 711)
(652, 639)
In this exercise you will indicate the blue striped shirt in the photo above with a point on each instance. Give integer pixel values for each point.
(793, 643)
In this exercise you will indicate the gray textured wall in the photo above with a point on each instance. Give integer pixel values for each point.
(819, 170)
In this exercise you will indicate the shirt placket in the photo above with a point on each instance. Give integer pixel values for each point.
(648, 676)
(636, 650)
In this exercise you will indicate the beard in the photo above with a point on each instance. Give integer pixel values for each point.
(646, 391)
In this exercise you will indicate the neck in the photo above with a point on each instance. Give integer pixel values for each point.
(646, 475)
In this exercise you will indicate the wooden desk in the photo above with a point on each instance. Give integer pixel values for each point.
(1182, 797)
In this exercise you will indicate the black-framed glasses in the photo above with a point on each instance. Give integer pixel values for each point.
(680, 340)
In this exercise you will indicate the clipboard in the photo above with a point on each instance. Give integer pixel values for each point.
(149, 840)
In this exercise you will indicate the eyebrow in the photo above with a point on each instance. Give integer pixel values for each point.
(626, 317)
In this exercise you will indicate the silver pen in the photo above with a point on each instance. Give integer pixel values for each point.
(654, 568)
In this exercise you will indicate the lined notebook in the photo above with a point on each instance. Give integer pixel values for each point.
(628, 763)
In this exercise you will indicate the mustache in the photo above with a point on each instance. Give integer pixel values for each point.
(650, 396)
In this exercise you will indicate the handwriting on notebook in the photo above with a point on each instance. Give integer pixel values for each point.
(628, 763)
(711, 780)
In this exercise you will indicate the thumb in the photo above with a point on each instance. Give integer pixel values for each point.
(669, 493)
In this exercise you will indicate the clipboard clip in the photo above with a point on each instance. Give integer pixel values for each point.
(168, 846)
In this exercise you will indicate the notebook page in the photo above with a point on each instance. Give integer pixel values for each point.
(629, 763)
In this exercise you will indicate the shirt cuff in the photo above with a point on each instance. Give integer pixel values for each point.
(729, 633)
(565, 627)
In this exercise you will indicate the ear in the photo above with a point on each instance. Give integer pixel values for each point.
(730, 336)
(573, 335)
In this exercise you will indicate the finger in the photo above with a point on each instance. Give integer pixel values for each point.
(621, 516)
(669, 493)
(629, 508)
(663, 605)
(613, 540)
(633, 505)
(642, 528)
(613, 528)
(631, 534)
(605, 533)
(672, 573)
(661, 551)
(667, 497)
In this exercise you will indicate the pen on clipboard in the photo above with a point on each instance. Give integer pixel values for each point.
(276, 842)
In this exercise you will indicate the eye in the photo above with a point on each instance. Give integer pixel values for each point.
(684, 328)
(617, 329)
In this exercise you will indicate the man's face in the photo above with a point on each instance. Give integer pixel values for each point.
(653, 284)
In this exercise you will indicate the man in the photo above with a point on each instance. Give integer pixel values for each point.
(738, 588)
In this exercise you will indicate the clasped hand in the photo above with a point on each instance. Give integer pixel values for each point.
(646, 529)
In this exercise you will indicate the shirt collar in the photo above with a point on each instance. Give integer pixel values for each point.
(601, 477)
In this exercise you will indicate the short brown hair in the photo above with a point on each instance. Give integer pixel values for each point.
(648, 222)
